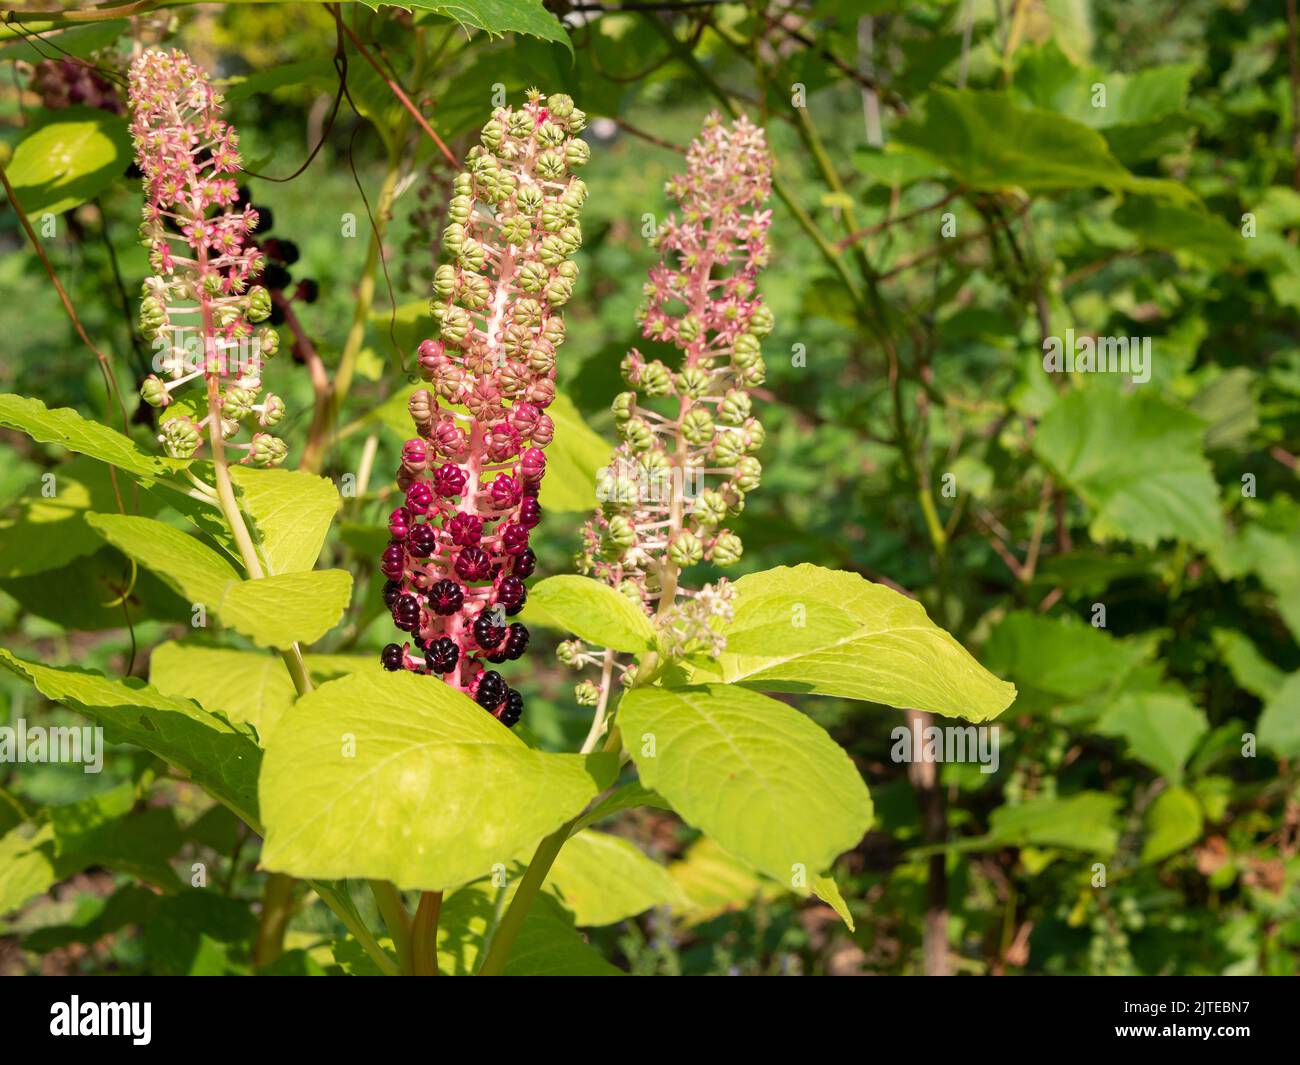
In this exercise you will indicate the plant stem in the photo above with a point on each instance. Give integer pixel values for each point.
(424, 935)
(535, 875)
(598, 718)
(277, 908)
(396, 920)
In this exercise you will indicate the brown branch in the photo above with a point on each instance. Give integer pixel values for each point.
(846, 242)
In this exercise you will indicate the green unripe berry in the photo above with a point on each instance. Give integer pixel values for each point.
(692, 382)
(726, 549)
(748, 473)
(154, 392)
(734, 408)
(710, 508)
(685, 549)
(180, 437)
(656, 380)
(259, 304)
(697, 426)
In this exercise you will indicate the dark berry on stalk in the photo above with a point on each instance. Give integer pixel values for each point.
(392, 657)
(487, 632)
(511, 592)
(443, 655)
(282, 251)
(391, 591)
(308, 290)
(512, 710)
(449, 480)
(498, 656)
(516, 640)
(446, 597)
(530, 512)
(474, 564)
(265, 220)
(525, 563)
(274, 276)
(406, 613)
(276, 317)
(422, 541)
(393, 561)
(491, 690)
(514, 538)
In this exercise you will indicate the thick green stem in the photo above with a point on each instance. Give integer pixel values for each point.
(277, 908)
(396, 920)
(424, 935)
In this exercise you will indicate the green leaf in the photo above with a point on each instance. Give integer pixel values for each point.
(592, 611)
(1061, 656)
(1161, 729)
(249, 687)
(808, 629)
(397, 777)
(714, 882)
(604, 879)
(273, 611)
(26, 864)
(1279, 724)
(102, 830)
(65, 427)
(1173, 823)
(1173, 227)
(50, 530)
(291, 514)
(495, 17)
(67, 157)
(220, 757)
(1083, 822)
(825, 888)
(288, 608)
(761, 778)
(1090, 438)
(988, 142)
(1250, 669)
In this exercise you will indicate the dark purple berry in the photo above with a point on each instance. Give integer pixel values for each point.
(488, 634)
(406, 613)
(418, 498)
(474, 564)
(511, 592)
(514, 538)
(511, 710)
(391, 591)
(393, 561)
(422, 541)
(443, 654)
(308, 290)
(274, 276)
(449, 480)
(525, 563)
(530, 512)
(265, 219)
(516, 640)
(466, 529)
(446, 597)
(392, 657)
(491, 690)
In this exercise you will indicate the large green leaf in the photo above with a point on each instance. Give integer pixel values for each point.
(1083, 822)
(291, 513)
(217, 755)
(274, 611)
(50, 531)
(988, 142)
(64, 426)
(808, 629)
(592, 611)
(1061, 656)
(495, 17)
(1161, 729)
(26, 864)
(402, 778)
(761, 778)
(1279, 724)
(67, 157)
(249, 687)
(1136, 461)
(604, 879)
(713, 881)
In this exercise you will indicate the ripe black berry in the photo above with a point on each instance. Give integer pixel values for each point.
(530, 512)
(511, 592)
(511, 710)
(525, 563)
(516, 640)
(491, 690)
(391, 591)
(274, 276)
(474, 564)
(422, 541)
(446, 597)
(443, 655)
(391, 656)
(488, 634)
(406, 613)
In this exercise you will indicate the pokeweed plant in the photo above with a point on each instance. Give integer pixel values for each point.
(405, 772)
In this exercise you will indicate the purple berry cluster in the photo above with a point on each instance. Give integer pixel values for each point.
(459, 550)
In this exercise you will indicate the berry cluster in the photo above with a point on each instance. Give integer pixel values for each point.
(67, 82)
(460, 551)
(199, 309)
(659, 514)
